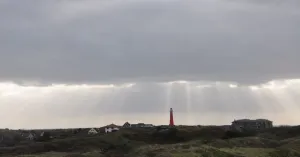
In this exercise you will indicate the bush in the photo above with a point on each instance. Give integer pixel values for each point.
(205, 133)
(151, 154)
(283, 132)
(166, 136)
(284, 153)
(236, 134)
(158, 128)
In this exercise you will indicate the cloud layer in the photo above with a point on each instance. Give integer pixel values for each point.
(193, 102)
(90, 63)
(120, 41)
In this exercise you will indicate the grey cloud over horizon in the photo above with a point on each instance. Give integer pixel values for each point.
(193, 104)
(66, 61)
(248, 42)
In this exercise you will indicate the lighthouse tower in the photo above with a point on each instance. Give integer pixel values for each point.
(171, 118)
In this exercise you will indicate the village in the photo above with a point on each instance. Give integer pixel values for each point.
(7, 135)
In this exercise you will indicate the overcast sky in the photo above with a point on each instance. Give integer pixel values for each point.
(76, 63)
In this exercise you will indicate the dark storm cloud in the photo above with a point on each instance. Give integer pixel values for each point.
(111, 41)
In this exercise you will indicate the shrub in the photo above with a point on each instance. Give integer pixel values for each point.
(151, 154)
(284, 153)
(236, 134)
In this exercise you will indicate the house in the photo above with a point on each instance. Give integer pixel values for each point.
(142, 125)
(149, 125)
(92, 131)
(126, 125)
(108, 130)
(31, 136)
(111, 128)
(248, 124)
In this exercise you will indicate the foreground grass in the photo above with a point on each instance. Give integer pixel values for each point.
(63, 154)
(190, 149)
(196, 149)
(249, 152)
(48, 154)
(194, 142)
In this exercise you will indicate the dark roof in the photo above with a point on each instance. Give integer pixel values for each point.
(126, 123)
(249, 120)
(242, 120)
(111, 126)
(263, 120)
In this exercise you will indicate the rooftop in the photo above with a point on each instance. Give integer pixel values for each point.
(251, 120)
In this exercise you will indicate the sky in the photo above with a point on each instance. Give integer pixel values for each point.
(88, 63)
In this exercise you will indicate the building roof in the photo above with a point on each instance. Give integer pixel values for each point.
(111, 126)
(242, 120)
(263, 120)
(127, 123)
(93, 130)
(251, 120)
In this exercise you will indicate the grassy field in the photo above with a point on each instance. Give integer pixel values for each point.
(200, 150)
(183, 150)
(63, 154)
(180, 142)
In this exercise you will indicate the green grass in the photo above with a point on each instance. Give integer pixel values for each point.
(64, 154)
(48, 154)
(231, 148)
(192, 142)
(249, 152)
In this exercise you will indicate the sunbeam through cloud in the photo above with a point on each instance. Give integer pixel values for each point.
(88, 63)
(193, 105)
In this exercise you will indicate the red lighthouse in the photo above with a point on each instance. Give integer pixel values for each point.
(171, 117)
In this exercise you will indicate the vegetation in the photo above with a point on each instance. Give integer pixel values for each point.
(161, 142)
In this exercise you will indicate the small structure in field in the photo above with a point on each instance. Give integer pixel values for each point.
(111, 128)
(140, 125)
(148, 125)
(31, 136)
(92, 131)
(126, 125)
(108, 130)
(42, 134)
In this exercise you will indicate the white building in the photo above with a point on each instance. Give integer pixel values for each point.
(31, 136)
(109, 129)
(93, 131)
